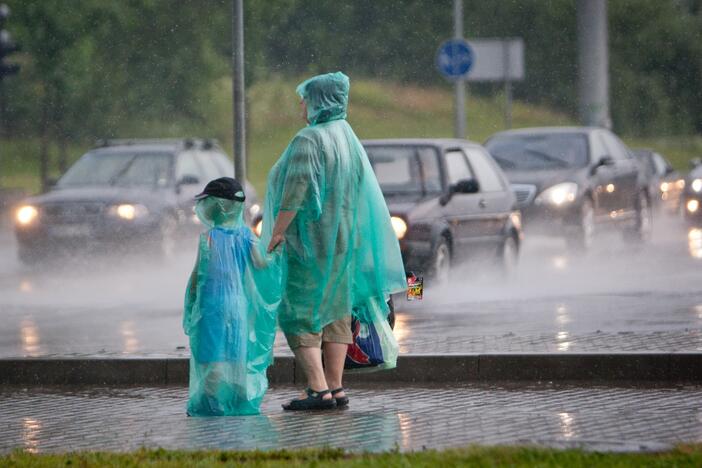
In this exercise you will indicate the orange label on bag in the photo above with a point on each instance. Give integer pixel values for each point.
(415, 288)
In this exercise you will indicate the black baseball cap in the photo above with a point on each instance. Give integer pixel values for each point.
(224, 187)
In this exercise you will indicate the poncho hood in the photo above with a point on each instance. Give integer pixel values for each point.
(326, 96)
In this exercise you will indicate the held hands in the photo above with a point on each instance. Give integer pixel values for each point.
(276, 240)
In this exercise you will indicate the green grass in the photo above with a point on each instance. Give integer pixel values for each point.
(681, 456)
(377, 110)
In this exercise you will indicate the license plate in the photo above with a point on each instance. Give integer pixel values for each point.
(70, 230)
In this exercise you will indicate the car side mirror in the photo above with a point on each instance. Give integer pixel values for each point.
(465, 186)
(462, 186)
(603, 161)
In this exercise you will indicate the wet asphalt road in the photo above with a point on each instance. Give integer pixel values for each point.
(619, 297)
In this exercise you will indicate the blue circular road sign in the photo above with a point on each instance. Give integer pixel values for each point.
(454, 58)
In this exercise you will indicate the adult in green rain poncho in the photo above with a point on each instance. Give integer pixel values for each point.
(324, 205)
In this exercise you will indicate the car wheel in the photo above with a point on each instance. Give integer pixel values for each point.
(509, 256)
(641, 232)
(581, 239)
(441, 267)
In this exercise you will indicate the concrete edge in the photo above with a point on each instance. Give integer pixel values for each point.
(605, 368)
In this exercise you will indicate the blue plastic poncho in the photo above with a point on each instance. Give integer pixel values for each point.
(229, 314)
(341, 251)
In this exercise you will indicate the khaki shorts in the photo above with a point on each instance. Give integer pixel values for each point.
(336, 332)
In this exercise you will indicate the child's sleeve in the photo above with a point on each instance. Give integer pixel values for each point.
(191, 294)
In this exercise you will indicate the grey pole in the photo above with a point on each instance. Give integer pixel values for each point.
(239, 103)
(508, 83)
(593, 63)
(459, 130)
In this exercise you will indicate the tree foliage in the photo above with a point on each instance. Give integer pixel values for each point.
(93, 68)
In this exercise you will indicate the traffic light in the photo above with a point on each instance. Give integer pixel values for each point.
(7, 45)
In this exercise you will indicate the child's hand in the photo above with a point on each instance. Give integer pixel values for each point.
(276, 240)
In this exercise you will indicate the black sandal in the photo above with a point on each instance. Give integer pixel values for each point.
(314, 401)
(340, 401)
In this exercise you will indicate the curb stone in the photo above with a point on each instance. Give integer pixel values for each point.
(607, 368)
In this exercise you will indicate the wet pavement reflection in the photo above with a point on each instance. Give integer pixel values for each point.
(378, 419)
(618, 297)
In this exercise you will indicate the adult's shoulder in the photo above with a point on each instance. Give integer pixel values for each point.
(310, 134)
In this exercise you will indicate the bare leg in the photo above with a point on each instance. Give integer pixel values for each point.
(334, 359)
(310, 359)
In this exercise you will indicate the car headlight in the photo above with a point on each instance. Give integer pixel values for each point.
(680, 184)
(665, 186)
(399, 226)
(693, 206)
(558, 195)
(258, 228)
(254, 209)
(26, 215)
(696, 185)
(128, 211)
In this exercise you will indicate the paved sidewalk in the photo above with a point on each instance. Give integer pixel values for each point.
(379, 419)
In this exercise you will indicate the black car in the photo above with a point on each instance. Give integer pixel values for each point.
(665, 184)
(692, 195)
(448, 201)
(571, 180)
(123, 193)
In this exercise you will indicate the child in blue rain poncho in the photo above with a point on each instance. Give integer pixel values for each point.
(229, 308)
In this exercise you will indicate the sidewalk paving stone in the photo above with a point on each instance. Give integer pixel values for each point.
(379, 419)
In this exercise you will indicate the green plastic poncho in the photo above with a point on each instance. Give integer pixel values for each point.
(341, 253)
(229, 314)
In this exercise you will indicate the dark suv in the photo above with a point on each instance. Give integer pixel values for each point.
(123, 194)
(448, 201)
(571, 180)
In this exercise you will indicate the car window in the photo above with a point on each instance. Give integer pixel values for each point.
(488, 178)
(661, 164)
(430, 172)
(457, 167)
(396, 168)
(188, 166)
(224, 164)
(615, 147)
(119, 168)
(208, 165)
(152, 169)
(598, 148)
(539, 151)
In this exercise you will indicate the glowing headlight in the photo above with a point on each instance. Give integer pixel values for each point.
(559, 194)
(692, 206)
(258, 228)
(128, 211)
(665, 186)
(254, 209)
(399, 226)
(516, 218)
(26, 215)
(680, 184)
(697, 185)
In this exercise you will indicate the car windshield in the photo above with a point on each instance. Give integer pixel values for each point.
(537, 152)
(405, 169)
(119, 168)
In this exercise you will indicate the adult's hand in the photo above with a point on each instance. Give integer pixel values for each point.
(282, 221)
(276, 240)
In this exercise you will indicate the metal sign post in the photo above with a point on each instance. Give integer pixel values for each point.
(239, 104)
(454, 60)
(459, 130)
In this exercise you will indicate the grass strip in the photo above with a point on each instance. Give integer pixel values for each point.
(680, 456)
